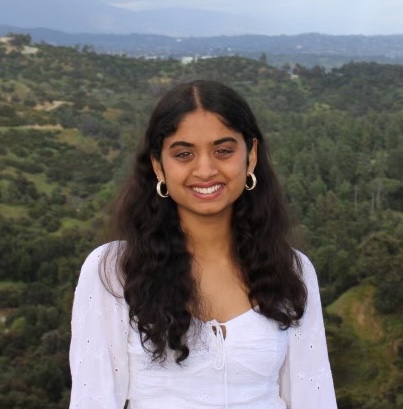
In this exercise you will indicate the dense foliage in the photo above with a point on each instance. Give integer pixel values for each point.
(68, 122)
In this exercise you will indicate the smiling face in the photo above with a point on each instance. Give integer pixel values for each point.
(204, 165)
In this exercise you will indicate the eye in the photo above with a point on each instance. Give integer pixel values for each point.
(183, 155)
(224, 152)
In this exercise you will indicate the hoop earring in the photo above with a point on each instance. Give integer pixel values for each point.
(254, 181)
(160, 194)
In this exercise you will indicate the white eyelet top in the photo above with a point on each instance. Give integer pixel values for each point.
(244, 363)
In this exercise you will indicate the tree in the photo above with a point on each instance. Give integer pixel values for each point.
(19, 40)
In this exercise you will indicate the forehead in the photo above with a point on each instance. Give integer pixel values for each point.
(202, 126)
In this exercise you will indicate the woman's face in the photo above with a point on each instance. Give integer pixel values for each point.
(204, 165)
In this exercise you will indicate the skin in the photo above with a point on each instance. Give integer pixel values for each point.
(204, 165)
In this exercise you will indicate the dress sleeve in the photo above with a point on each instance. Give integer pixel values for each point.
(305, 378)
(99, 343)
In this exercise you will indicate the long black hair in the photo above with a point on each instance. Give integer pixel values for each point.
(153, 257)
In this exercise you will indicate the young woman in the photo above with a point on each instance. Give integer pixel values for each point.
(203, 303)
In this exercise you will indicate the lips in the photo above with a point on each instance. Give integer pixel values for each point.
(207, 190)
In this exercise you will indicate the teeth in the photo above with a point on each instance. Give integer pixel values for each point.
(206, 190)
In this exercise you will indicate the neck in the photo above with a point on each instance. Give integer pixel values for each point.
(208, 237)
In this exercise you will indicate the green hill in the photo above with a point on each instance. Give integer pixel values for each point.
(366, 349)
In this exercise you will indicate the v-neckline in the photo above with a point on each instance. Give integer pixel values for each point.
(229, 321)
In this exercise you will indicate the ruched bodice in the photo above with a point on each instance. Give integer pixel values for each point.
(238, 371)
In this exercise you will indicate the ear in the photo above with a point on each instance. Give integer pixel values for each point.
(252, 156)
(157, 168)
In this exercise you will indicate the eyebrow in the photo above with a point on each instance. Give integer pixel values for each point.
(215, 143)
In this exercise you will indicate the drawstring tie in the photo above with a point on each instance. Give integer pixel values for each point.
(220, 361)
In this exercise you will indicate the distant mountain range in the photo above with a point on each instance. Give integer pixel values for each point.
(99, 16)
(307, 49)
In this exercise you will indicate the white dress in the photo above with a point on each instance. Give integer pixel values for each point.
(255, 366)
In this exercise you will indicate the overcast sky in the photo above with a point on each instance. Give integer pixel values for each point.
(299, 16)
(271, 17)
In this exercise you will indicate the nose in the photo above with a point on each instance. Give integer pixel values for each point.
(205, 167)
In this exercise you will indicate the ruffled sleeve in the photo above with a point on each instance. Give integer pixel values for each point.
(305, 378)
(100, 328)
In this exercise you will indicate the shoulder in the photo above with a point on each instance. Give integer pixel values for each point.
(112, 248)
(101, 268)
(307, 269)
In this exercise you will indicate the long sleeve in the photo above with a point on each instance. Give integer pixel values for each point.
(99, 344)
(305, 378)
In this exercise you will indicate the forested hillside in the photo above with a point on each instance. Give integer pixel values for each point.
(69, 121)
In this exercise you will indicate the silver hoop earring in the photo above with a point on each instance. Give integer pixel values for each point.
(254, 181)
(163, 195)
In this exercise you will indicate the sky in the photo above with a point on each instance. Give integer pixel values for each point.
(271, 17)
(298, 16)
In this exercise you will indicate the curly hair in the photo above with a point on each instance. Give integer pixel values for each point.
(158, 284)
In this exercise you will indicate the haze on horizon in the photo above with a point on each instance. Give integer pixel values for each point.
(203, 17)
(368, 17)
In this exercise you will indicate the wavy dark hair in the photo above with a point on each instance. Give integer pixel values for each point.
(153, 257)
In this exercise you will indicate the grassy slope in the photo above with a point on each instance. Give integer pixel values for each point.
(363, 346)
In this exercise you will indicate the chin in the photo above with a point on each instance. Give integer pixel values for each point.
(212, 211)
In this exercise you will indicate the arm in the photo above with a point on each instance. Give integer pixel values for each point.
(305, 378)
(98, 350)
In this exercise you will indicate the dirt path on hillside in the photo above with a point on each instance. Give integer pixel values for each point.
(365, 315)
(50, 106)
